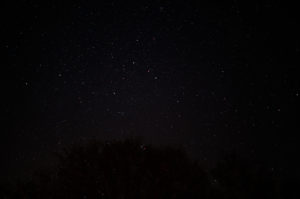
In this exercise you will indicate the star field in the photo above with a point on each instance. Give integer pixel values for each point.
(211, 78)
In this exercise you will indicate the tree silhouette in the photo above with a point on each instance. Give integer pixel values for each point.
(119, 169)
(130, 169)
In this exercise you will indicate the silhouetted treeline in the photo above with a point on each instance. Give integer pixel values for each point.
(130, 169)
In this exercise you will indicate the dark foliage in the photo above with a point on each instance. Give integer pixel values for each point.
(129, 169)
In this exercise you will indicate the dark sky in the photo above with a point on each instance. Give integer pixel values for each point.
(208, 77)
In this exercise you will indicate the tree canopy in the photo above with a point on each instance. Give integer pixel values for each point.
(130, 169)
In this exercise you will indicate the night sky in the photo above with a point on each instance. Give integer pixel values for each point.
(208, 77)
